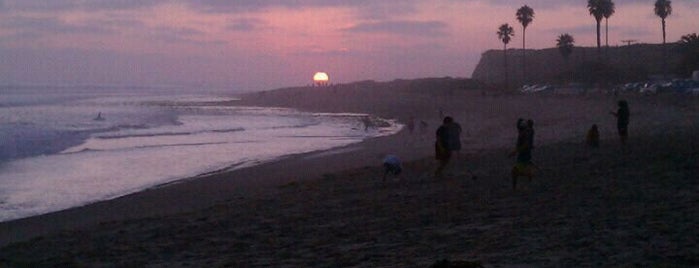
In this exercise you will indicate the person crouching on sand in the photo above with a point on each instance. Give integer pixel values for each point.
(391, 165)
(441, 146)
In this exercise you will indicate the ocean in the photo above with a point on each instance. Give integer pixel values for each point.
(62, 147)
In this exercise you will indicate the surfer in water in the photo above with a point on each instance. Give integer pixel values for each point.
(99, 117)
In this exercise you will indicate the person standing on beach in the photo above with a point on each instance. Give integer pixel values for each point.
(411, 125)
(622, 115)
(454, 137)
(523, 150)
(367, 123)
(442, 149)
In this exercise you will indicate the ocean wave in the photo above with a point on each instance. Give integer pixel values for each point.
(106, 137)
(227, 130)
(87, 150)
(159, 134)
(294, 126)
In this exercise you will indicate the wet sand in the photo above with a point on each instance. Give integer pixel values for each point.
(612, 206)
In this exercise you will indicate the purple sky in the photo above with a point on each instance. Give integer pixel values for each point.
(264, 44)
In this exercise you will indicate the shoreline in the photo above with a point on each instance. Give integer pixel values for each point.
(36, 203)
(332, 208)
(163, 199)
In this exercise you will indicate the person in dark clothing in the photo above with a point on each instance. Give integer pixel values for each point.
(523, 151)
(442, 149)
(622, 115)
(454, 136)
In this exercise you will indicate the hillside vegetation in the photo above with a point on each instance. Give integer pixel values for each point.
(636, 62)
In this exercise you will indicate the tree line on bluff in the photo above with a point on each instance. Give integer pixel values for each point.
(602, 71)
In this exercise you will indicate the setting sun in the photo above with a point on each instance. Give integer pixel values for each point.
(320, 78)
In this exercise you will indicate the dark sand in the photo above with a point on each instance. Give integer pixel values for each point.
(603, 207)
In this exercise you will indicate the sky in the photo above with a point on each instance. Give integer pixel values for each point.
(249, 45)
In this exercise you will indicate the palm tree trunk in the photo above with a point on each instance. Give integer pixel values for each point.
(664, 52)
(663, 31)
(599, 43)
(506, 77)
(606, 32)
(524, 49)
(606, 39)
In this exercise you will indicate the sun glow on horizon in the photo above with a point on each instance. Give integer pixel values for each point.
(320, 78)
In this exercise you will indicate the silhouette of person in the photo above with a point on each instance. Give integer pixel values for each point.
(454, 136)
(622, 115)
(523, 151)
(592, 138)
(367, 123)
(442, 149)
(411, 125)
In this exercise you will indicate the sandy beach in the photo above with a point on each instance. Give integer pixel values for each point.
(611, 206)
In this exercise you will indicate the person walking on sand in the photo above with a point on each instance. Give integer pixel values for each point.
(622, 115)
(442, 149)
(523, 151)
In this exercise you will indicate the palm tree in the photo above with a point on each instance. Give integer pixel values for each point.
(597, 9)
(525, 15)
(505, 34)
(608, 12)
(565, 43)
(663, 9)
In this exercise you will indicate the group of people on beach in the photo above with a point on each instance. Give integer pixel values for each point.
(448, 144)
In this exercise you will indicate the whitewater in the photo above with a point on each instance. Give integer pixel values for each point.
(62, 147)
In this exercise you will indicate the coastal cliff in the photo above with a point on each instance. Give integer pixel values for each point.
(624, 63)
